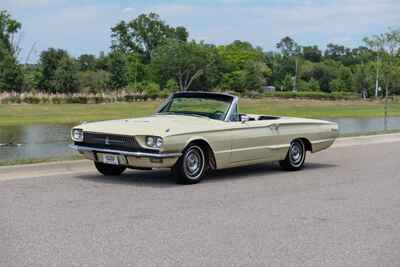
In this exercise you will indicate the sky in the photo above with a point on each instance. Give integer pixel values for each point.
(83, 26)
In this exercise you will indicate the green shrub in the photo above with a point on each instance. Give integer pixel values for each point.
(130, 98)
(77, 100)
(11, 100)
(58, 100)
(252, 94)
(152, 90)
(164, 94)
(31, 100)
(314, 95)
(171, 86)
(95, 100)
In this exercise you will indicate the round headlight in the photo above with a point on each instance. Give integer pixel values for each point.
(159, 142)
(150, 141)
(77, 135)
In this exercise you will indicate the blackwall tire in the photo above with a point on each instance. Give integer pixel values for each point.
(295, 157)
(108, 169)
(191, 166)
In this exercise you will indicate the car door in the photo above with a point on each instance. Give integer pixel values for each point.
(253, 140)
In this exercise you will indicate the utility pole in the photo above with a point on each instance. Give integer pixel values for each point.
(295, 76)
(377, 75)
(136, 69)
(386, 110)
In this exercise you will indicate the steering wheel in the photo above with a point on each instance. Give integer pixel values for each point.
(218, 114)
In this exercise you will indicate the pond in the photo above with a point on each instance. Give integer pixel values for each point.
(39, 141)
(43, 141)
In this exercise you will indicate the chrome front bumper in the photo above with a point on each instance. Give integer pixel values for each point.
(134, 159)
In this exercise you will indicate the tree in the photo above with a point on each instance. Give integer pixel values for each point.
(244, 67)
(376, 43)
(8, 28)
(212, 75)
(11, 75)
(288, 47)
(391, 46)
(335, 52)
(312, 53)
(186, 62)
(49, 61)
(171, 86)
(359, 81)
(233, 81)
(313, 85)
(387, 49)
(337, 85)
(135, 69)
(255, 74)
(237, 54)
(32, 77)
(94, 81)
(87, 62)
(66, 79)
(323, 72)
(118, 69)
(144, 34)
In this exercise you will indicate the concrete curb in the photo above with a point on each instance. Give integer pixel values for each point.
(43, 169)
(80, 166)
(367, 140)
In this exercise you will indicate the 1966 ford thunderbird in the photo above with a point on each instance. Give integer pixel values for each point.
(194, 132)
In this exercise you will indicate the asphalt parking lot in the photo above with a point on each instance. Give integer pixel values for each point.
(343, 209)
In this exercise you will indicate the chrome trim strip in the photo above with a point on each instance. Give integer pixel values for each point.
(234, 104)
(126, 153)
(275, 147)
(316, 142)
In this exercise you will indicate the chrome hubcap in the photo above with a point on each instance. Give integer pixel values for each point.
(296, 153)
(194, 163)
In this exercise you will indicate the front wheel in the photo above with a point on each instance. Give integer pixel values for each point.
(295, 157)
(108, 169)
(191, 166)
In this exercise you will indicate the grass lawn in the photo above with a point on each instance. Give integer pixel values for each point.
(18, 114)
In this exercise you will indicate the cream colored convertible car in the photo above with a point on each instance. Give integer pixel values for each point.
(194, 132)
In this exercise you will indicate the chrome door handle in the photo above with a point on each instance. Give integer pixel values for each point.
(274, 126)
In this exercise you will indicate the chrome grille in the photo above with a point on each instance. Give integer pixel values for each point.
(110, 140)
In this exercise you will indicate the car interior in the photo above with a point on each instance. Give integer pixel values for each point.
(258, 118)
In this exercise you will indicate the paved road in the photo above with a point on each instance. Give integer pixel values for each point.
(342, 210)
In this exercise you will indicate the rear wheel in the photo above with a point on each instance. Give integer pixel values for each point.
(295, 157)
(191, 166)
(108, 169)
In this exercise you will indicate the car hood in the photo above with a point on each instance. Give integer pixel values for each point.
(159, 125)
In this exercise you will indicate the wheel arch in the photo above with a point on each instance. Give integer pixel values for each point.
(306, 141)
(209, 152)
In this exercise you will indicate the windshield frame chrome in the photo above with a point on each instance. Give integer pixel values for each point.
(228, 115)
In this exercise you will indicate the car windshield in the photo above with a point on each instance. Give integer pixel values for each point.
(210, 107)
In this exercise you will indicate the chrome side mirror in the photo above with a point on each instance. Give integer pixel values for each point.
(244, 118)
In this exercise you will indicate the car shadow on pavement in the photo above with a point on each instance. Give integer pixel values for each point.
(165, 178)
(258, 170)
(154, 178)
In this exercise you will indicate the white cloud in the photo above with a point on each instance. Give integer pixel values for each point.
(162, 10)
(128, 10)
